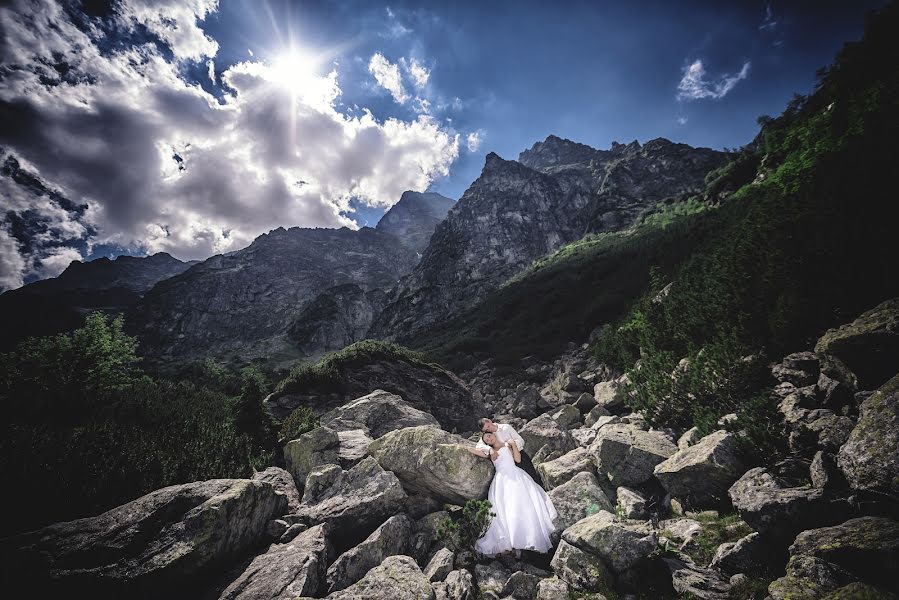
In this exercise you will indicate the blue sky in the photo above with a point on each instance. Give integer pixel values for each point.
(193, 126)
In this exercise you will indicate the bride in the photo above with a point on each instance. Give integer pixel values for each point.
(524, 513)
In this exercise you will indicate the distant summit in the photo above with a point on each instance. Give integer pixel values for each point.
(414, 218)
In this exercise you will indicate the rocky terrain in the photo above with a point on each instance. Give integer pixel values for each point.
(519, 211)
(354, 512)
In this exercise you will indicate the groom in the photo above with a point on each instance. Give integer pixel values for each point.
(506, 432)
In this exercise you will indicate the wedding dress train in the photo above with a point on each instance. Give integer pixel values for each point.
(524, 512)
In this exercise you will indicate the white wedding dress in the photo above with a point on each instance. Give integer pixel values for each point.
(524, 513)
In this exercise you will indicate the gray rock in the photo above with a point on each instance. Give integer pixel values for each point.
(284, 570)
(292, 531)
(619, 543)
(699, 582)
(631, 503)
(459, 585)
(430, 461)
(610, 394)
(376, 413)
(771, 508)
(585, 403)
(397, 578)
(353, 447)
(747, 555)
(577, 498)
(824, 472)
(556, 472)
(863, 353)
(552, 589)
(319, 480)
(283, 482)
(702, 473)
(583, 436)
(390, 539)
(312, 449)
(491, 577)
(681, 530)
(520, 586)
(689, 437)
(440, 565)
(627, 455)
(275, 529)
(546, 431)
(870, 457)
(361, 497)
(566, 416)
(414, 218)
(582, 570)
(163, 539)
(808, 577)
(595, 413)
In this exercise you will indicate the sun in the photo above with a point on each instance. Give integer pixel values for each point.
(295, 69)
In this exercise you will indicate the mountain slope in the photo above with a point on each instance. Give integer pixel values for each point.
(242, 305)
(414, 218)
(518, 211)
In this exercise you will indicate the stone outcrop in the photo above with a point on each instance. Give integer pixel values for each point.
(870, 457)
(628, 455)
(701, 474)
(577, 498)
(619, 543)
(430, 461)
(397, 578)
(376, 413)
(391, 538)
(312, 449)
(413, 219)
(161, 541)
(556, 472)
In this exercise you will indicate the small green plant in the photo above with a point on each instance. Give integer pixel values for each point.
(300, 421)
(461, 535)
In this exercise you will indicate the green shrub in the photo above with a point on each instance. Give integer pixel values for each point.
(462, 534)
(298, 422)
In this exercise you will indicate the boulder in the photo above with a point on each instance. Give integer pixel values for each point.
(870, 457)
(397, 578)
(610, 394)
(376, 413)
(567, 416)
(585, 402)
(689, 437)
(362, 497)
(284, 570)
(319, 480)
(160, 541)
(390, 539)
(552, 589)
(577, 498)
(810, 578)
(312, 449)
(627, 455)
(546, 431)
(283, 482)
(430, 461)
(491, 577)
(824, 472)
(631, 503)
(556, 472)
(695, 581)
(583, 436)
(701, 474)
(582, 570)
(747, 555)
(863, 353)
(619, 543)
(771, 508)
(834, 394)
(459, 585)
(440, 565)
(596, 412)
(353, 447)
(521, 585)
(683, 531)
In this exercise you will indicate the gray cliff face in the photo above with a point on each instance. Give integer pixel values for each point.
(518, 211)
(414, 218)
(260, 301)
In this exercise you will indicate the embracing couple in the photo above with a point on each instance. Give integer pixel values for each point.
(524, 512)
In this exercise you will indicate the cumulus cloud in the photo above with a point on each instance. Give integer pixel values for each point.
(155, 163)
(474, 139)
(418, 73)
(695, 86)
(388, 77)
(12, 264)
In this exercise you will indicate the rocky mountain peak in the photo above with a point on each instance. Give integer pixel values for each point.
(414, 217)
(556, 151)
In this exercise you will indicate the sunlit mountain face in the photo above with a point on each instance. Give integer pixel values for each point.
(136, 127)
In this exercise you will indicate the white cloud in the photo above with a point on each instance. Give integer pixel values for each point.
(418, 73)
(474, 139)
(388, 77)
(55, 262)
(275, 152)
(12, 265)
(694, 85)
(175, 22)
(682, 120)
